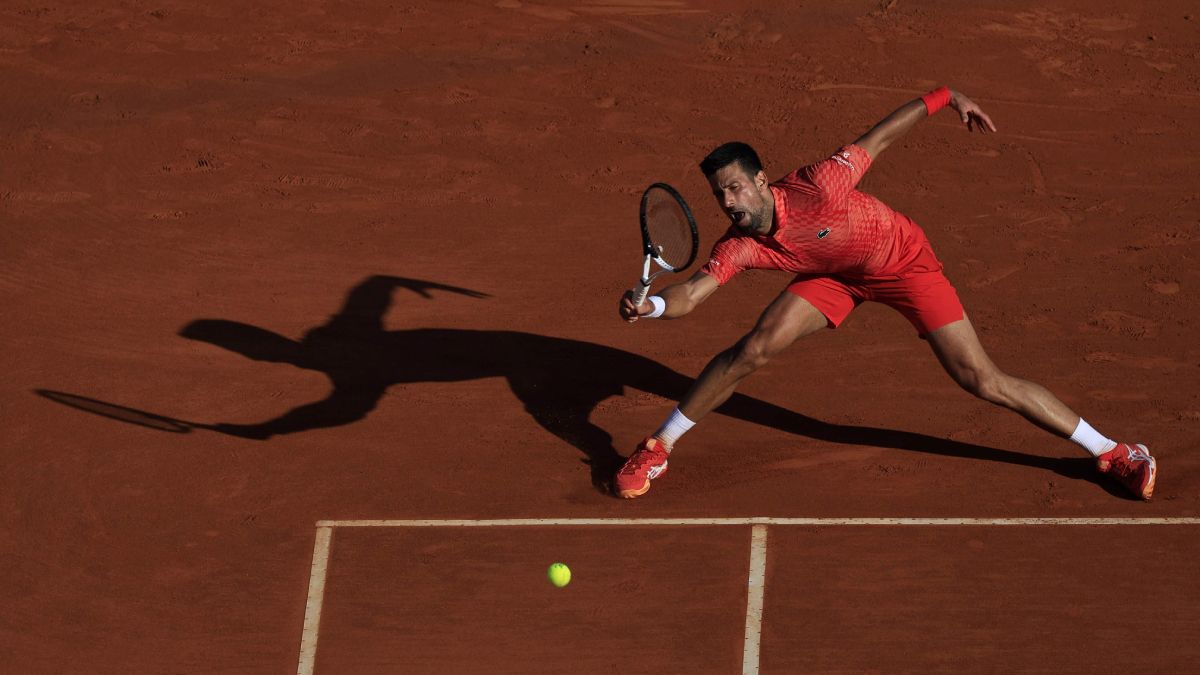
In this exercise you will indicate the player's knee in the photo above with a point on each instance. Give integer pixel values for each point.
(988, 385)
(752, 352)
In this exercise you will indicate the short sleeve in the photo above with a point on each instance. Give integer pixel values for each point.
(840, 173)
(731, 254)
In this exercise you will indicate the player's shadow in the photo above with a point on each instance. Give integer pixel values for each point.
(559, 381)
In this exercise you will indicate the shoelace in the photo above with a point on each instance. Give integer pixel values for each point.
(635, 463)
(1126, 466)
(1136, 455)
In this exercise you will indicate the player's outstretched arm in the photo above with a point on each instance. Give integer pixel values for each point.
(900, 122)
(680, 298)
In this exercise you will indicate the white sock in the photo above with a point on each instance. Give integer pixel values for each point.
(1091, 440)
(676, 425)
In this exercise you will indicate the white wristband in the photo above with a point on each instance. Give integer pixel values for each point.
(660, 306)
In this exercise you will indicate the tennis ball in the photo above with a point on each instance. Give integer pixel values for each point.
(560, 574)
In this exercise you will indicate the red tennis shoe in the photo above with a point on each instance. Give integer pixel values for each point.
(1132, 466)
(646, 463)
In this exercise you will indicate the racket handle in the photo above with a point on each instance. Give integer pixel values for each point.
(639, 294)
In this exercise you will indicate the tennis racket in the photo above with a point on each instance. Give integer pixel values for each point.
(669, 236)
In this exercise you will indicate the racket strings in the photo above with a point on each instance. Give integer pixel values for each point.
(669, 229)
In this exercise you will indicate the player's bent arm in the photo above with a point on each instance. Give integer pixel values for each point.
(904, 118)
(680, 298)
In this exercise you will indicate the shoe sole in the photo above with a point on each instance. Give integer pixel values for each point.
(1146, 491)
(630, 494)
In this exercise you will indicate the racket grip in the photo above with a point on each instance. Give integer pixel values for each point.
(640, 293)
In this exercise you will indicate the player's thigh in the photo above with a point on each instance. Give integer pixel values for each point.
(788, 318)
(957, 347)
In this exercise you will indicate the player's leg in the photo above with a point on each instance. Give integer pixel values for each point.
(931, 304)
(929, 301)
(785, 320)
(958, 349)
(789, 317)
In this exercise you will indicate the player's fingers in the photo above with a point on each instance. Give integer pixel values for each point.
(630, 309)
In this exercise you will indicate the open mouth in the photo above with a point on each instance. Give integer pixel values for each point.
(740, 218)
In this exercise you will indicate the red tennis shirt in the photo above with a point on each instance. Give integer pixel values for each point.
(824, 226)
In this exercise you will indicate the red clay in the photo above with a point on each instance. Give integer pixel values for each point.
(479, 602)
(219, 215)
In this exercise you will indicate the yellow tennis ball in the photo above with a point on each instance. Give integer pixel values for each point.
(560, 574)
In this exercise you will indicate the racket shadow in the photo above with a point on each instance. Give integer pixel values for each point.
(120, 413)
(558, 381)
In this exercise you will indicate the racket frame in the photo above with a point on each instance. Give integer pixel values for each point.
(648, 247)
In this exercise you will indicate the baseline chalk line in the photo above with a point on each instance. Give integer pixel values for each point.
(810, 522)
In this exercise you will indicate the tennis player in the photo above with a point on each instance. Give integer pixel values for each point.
(844, 247)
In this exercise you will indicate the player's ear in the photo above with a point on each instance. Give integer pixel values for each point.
(760, 178)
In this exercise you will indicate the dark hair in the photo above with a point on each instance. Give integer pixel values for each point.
(728, 153)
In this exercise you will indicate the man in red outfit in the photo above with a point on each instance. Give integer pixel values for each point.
(844, 247)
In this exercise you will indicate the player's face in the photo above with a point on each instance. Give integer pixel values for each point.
(745, 199)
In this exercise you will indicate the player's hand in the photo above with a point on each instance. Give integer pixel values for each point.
(970, 113)
(629, 312)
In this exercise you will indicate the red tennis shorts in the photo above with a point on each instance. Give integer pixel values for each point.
(926, 299)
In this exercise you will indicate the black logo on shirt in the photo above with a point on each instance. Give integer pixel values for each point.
(822, 234)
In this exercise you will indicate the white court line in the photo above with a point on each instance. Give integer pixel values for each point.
(811, 522)
(316, 596)
(320, 563)
(754, 598)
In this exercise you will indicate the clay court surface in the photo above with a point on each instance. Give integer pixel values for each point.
(263, 268)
